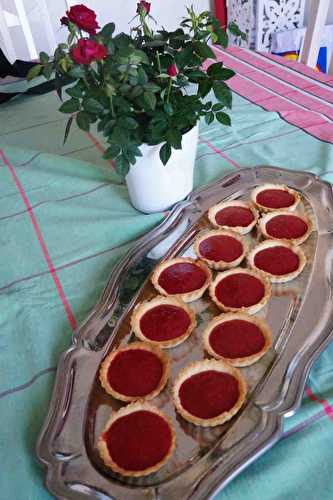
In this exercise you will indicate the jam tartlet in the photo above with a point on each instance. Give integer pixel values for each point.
(163, 321)
(272, 197)
(286, 226)
(136, 371)
(220, 249)
(239, 216)
(182, 277)
(240, 290)
(237, 338)
(137, 440)
(209, 392)
(279, 260)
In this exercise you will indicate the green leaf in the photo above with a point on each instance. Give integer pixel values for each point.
(68, 127)
(112, 151)
(70, 106)
(75, 91)
(83, 121)
(184, 56)
(223, 118)
(222, 93)
(48, 70)
(152, 87)
(217, 107)
(92, 105)
(204, 87)
(165, 153)
(108, 127)
(222, 37)
(217, 72)
(142, 76)
(128, 122)
(204, 50)
(139, 56)
(196, 75)
(174, 137)
(209, 118)
(150, 99)
(122, 166)
(43, 57)
(108, 30)
(234, 30)
(77, 72)
(133, 80)
(34, 71)
(111, 46)
(135, 92)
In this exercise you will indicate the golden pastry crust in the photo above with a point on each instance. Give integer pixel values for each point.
(251, 309)
(103, 373)
(221, 264)
(202, 366)
(126, 410)
(236, 203)
(147, 305)
(271, 244)
(283, 187)
(189, 296)
(245, 360)
(295, 241)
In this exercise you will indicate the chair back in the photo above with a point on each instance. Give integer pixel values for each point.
(14, 17)
(317, 19)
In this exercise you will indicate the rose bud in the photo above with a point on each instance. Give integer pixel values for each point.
(172, 70)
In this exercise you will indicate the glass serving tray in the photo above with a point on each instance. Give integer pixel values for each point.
(299, 313)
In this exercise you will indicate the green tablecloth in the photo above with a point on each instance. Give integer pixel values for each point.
(65, 220)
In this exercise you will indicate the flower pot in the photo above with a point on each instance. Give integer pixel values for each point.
(154, 187)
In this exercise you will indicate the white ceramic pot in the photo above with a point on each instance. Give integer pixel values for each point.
(154, 187)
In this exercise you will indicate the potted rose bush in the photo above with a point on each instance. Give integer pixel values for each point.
(145, 92)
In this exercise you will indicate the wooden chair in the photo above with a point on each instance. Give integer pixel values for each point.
(18, 17)
(317, 20)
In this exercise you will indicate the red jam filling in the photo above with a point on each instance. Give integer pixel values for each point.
(277, 260)
(182, 277)
(135, 372)
(209, 394)
(139, 440)
(164, 322)
(286, 226)
(240, 290)
(236, 339)
(275, 198)
(234, 216)
(221, 247)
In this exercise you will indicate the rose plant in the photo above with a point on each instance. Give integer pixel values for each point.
(147, 87)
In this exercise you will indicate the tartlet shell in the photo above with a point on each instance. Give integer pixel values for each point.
(235, 203)
(251, 309)
(274, 243)
(283, 187)
(220, 265)
(246, 360)
(134, 345)
(189, 296)
(126, 410)
(295, 241)
(145, 306)
(201, 366)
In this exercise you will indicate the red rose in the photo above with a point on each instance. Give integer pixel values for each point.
(84, 18)
(87, 51)
(143, 6)
(172, 70)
